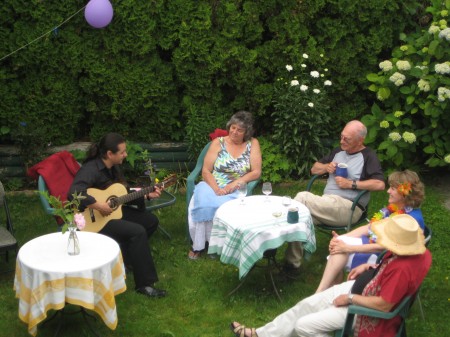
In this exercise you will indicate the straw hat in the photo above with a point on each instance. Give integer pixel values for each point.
(401, 234)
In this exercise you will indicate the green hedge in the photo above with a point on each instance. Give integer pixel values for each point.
(174, 70)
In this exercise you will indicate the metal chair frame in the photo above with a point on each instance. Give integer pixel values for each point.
(363, 219)
(8, 242)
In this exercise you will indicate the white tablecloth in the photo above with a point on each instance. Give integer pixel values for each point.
(47, 277)
(242, 233)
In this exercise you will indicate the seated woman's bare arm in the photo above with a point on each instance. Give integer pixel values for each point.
(208, 165)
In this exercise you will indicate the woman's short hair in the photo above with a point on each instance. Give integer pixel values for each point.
(245, 120)
(415, 197)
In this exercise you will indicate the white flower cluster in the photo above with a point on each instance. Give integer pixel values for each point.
(423, 85)
(385, 66)
(397, 78)
(304, 87)
(403, 65)
(395, 136)
(442, 68)
(443, 94)
(433, 29)
(445, 34)
(409, 137)
(447, 158)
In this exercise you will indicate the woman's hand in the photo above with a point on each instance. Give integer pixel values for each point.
(341, 301)
(338, 246)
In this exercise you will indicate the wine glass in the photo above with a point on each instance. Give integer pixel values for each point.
(242, 191)
(267, 190)
(286, 201)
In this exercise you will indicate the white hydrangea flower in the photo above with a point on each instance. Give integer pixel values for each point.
(403, 65)
(397, 78)
(443, 94)
(303, 65)
(442, 68)
(327, 82)
(433, 29)
(395, 136)
(314, 73)
(294, 83)
(384, 124)
(289, 67)
(385, 65)
(398, 113)
(445, 34)
(303, 87)
(447, 158)
(316, 91)
(311, 105)
(423, 85)
(305, 56)
(409, 137)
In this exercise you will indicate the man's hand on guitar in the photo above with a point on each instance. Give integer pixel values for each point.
(102, 207)
(155, 194)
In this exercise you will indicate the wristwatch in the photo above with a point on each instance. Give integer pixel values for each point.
(350, 298)
(354, 187)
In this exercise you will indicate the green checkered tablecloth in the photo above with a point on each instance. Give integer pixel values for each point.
(242, 233)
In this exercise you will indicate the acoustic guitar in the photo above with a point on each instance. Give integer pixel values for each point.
(116, 195)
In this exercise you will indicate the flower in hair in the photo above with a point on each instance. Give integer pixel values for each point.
(404, 189)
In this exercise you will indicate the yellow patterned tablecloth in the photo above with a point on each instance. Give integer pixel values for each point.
(48, 278)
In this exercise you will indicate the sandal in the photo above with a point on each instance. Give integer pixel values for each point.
(239, 331)
(193, 255)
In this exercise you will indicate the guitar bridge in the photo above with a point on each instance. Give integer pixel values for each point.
(91, 214)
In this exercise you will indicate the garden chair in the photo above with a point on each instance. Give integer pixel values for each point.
(401, 310)
(363, 219)
(8, 241)
(192, 178)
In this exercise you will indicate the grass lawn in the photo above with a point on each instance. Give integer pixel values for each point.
(197, 304)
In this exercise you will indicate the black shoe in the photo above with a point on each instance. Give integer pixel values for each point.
(291, 269)
(151, 292)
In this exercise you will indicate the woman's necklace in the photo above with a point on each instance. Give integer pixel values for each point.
(390, 210)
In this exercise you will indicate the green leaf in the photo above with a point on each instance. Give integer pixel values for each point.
(429, 149)
(405, 90)
(384, 93)
(373, 87)
(410, 99)
(416, 72)
(373, 78)
(391, 151)
(432, 48)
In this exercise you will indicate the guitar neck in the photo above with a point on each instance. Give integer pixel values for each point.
(133, 195)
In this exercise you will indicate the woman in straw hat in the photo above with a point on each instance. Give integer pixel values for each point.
(381, 287)
(406, 193)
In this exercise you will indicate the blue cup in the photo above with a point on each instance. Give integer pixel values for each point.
(341, 170)
(292, 216)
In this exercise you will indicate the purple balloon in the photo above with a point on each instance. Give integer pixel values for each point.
(98, 13)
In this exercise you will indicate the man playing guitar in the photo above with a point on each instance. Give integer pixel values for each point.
(100, 170)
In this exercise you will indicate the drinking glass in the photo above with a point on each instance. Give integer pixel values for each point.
(242, 191)
(267, 190)
(286, 202)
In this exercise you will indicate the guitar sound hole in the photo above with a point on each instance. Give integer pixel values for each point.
(113, 203)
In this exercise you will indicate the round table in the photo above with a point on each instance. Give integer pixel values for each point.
(47, 277)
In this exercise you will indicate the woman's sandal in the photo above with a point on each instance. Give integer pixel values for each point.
(239, 331)
(193, 255)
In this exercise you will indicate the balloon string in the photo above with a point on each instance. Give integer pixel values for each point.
(40, 37)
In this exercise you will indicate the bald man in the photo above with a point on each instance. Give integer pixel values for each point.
(334, 206)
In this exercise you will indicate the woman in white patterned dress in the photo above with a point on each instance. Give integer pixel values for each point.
(230, 160)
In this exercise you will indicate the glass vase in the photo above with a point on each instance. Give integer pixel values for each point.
(73, 246)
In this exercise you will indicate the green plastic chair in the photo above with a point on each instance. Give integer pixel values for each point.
(362, 220)
(402, 311)
(192, 179)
